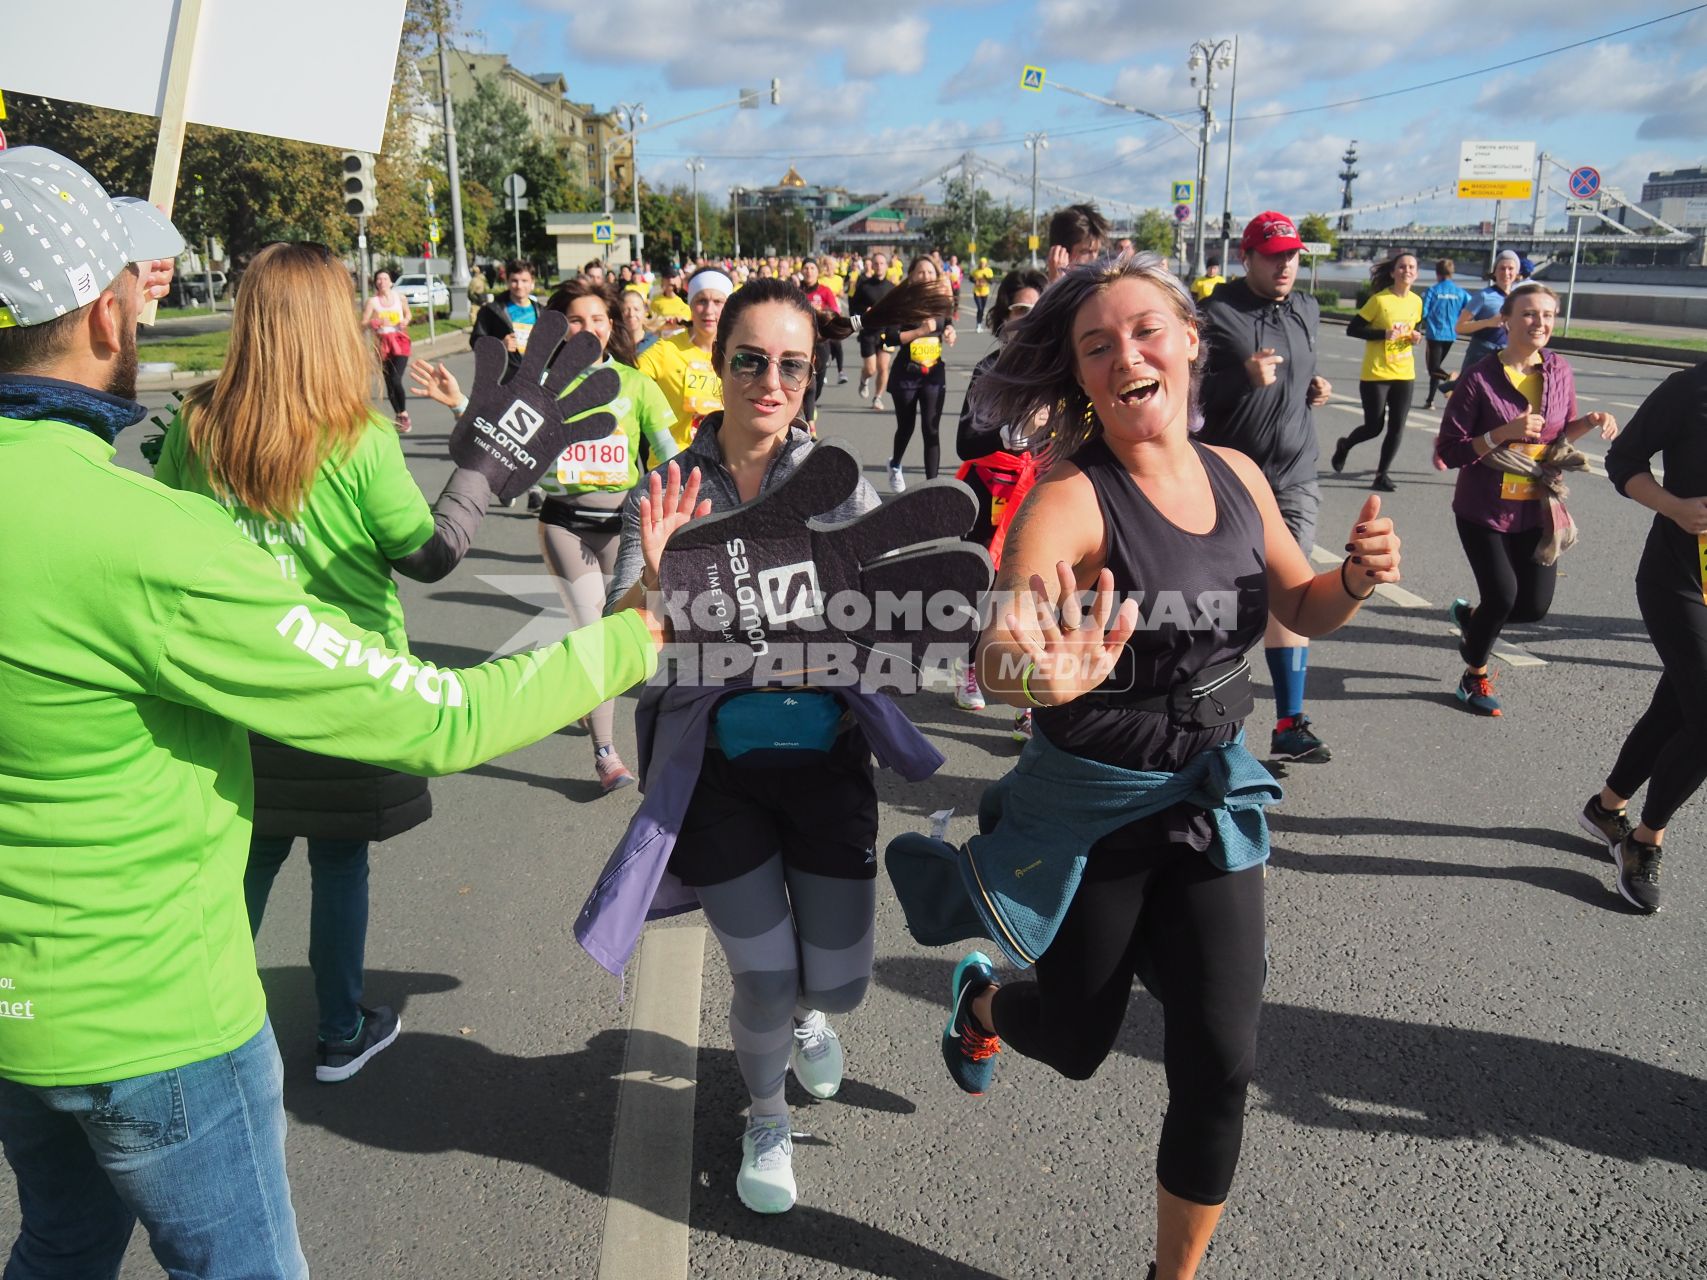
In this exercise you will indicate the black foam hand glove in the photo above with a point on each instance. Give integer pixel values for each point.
(512, 432)
(794, 593)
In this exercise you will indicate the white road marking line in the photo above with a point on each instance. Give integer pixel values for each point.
(651, 1172)
(1388, 591)
(1505, 653)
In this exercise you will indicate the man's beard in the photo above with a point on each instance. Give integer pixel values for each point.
(121, 381)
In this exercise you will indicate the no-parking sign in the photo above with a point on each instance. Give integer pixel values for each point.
(1182, 212)
(1585, 182)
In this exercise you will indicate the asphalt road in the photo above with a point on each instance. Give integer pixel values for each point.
(1474, 1061)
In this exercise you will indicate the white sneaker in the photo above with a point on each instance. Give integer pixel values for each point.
(864, 382)
(967, 695)
(897, 481)
(766, 1181)
(877, 403)
(816, 1058)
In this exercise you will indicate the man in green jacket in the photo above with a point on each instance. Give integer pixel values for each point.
(141, 637)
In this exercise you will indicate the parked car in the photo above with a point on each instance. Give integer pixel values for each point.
(414, 289)
(191, 290)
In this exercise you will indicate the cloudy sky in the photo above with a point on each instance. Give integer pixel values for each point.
(883, 92)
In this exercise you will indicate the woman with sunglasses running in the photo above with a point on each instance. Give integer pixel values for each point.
(777, 842)
(580, 519)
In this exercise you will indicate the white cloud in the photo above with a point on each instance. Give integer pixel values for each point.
(993, 64)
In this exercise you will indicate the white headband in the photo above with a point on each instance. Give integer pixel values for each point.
(710, 278)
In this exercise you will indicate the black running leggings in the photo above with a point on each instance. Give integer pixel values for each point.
(1668, 747)
(1389, 400)
(1437, 375)
(1513, 588)
(1197, 931)
(394, 369)
(923, 401)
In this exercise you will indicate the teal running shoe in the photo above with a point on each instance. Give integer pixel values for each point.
(969, 1053)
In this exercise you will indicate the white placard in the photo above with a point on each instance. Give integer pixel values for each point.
(315, 71)
(1496, 161)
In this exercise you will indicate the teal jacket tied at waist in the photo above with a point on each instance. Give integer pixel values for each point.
(1053, 806)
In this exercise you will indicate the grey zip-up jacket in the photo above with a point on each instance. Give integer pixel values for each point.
(1270, 425)
(716, 483)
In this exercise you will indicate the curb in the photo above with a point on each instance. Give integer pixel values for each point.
(1629, 352)
(455, 339)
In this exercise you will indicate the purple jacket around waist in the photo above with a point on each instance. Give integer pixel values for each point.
(1484, 399)
(671, 725)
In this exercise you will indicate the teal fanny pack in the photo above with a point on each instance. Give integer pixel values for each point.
(782, 720)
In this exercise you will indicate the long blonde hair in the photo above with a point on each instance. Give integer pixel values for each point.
(294, 391)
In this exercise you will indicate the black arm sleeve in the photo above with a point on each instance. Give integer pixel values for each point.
(1649, 431)
(456, 515)
(1361, 329)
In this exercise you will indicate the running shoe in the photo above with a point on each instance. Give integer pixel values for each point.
(897, 480)
(1639, 874)
(337, 1060)
(816, 1058)
(403, 423)
(1341, 449)
(1610, 827)
(1477, 693)
(967, 1051)
(1022, 726)
(1384, 484)
(841, 378)
(967, 695)
(613, 773)
(864, 384)
(877, 403)
(1293, 740)
(766, 1181)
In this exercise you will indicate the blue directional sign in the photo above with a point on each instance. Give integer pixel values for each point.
(1585, 183)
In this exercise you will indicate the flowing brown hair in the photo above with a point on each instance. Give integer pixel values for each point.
(294, 391)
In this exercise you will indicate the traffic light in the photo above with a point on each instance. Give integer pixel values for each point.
(361, 193)
(776, 93)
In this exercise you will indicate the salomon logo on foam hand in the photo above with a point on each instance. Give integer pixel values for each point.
(520, 421)
(332, 649)
(791, 592)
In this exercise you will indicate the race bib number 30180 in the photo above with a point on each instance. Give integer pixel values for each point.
(602, 464)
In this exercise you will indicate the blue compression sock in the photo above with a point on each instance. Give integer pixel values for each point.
(1286, 667)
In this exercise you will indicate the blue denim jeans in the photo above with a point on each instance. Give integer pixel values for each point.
(196, 1154)
(337, 920)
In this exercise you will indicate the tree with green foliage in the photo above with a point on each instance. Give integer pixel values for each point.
(1153, 230)
(1314, 228)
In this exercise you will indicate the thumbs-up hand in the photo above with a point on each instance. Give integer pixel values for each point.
(1262, 367)
(1372, 551)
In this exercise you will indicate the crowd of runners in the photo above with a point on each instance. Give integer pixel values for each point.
(202, 666)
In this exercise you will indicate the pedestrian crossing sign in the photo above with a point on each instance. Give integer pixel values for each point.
(1182, 192)
(1031, 78)
(604, 232)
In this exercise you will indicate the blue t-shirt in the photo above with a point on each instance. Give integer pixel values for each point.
(1442, 301)
(1484, 303)
(523, 316)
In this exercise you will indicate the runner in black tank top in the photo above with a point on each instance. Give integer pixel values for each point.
(1110, 357)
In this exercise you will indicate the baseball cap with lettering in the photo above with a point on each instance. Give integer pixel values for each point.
(63, 239)
(1270, 232)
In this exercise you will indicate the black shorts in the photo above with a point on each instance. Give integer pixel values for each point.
(821, 816)
(871, 342)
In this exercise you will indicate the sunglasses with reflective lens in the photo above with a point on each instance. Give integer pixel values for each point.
(752, 366)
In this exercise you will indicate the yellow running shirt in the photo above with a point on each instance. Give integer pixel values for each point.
(981, 282)
(684, 374)
(1390, 359)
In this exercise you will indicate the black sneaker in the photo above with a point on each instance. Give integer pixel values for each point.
(1639, 874)
(1341, 449)
(1384, 484)
(340, 1059)
(1294, 740)
(1609, 827)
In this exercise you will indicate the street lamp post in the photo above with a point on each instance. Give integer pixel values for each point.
(459, 269)
(1227, 187)
(1035, 142)
(1208, 57)
(735, 194)
(695, 166)
(635, 114)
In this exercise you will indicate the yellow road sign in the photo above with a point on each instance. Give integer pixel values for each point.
(604, 232)
(1031, 243)
(1031, 78)
(2, 106)
(1496, 189)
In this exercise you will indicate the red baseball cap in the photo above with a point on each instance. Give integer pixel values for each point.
(1270, 232)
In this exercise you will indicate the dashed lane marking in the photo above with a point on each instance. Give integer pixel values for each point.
(651, 1175)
